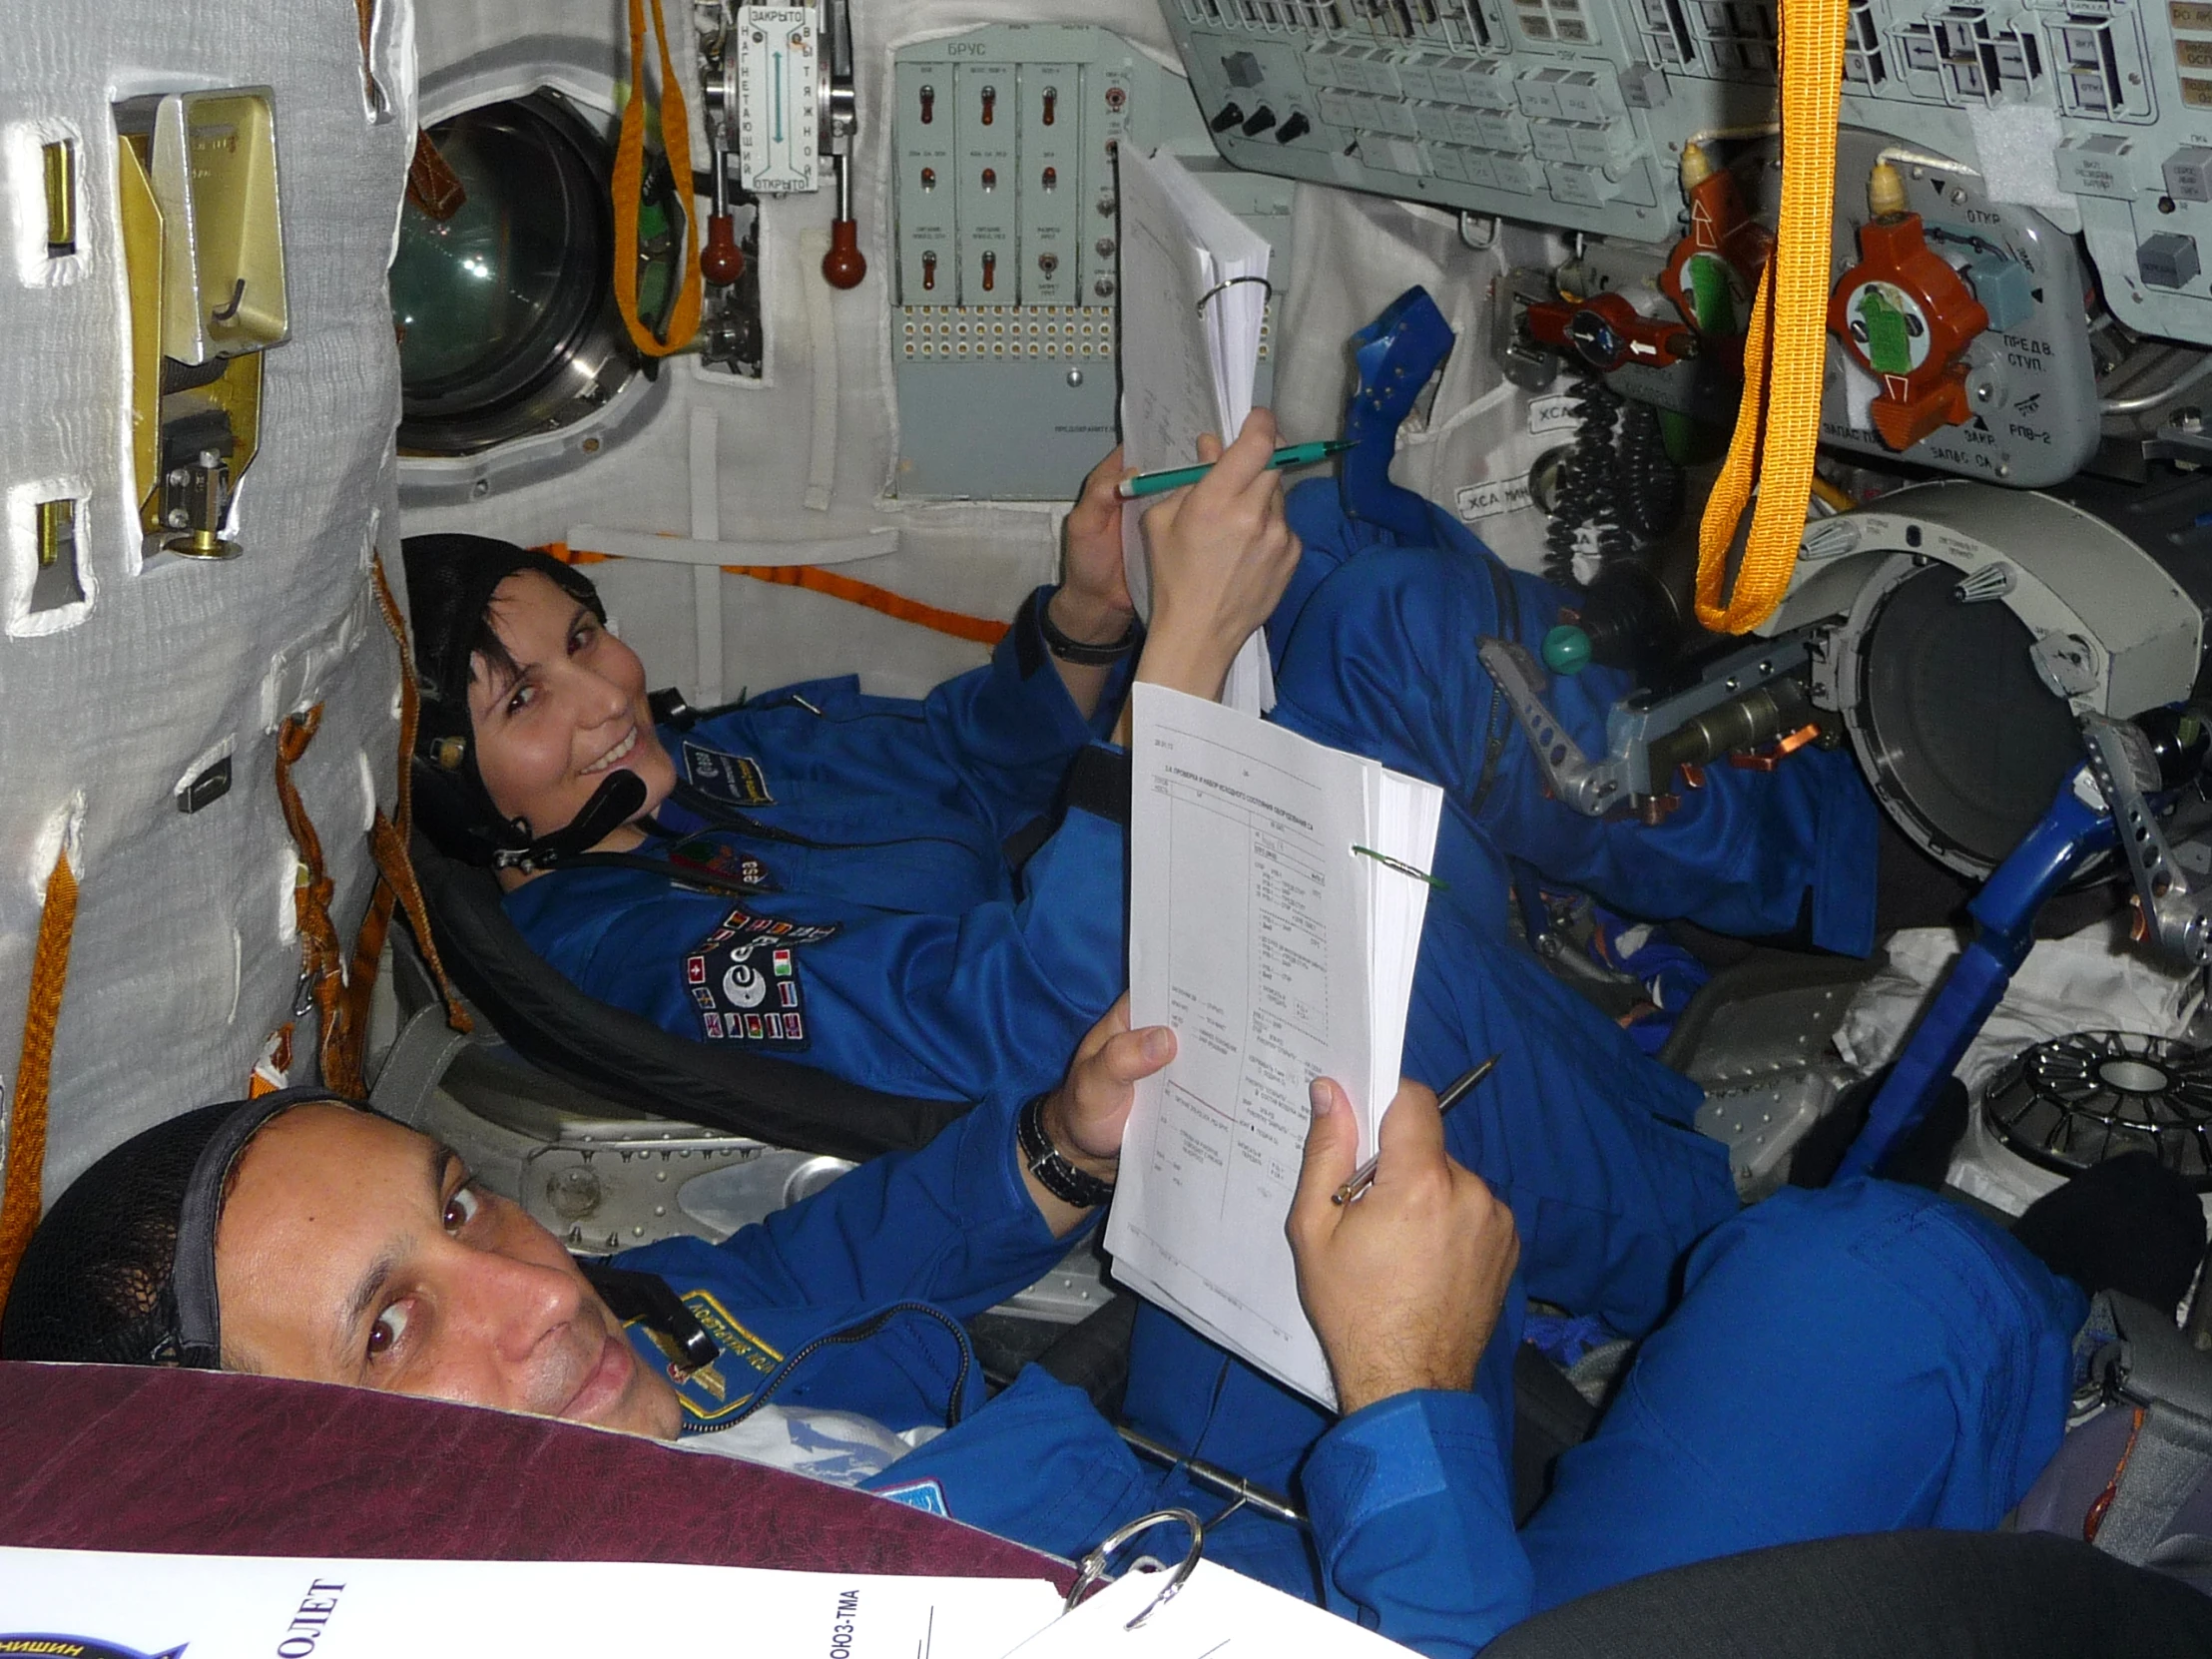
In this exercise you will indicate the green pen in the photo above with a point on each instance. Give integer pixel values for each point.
(1175, 477)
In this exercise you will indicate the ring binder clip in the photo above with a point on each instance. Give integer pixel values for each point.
(1230, 283)
(1092, 1568)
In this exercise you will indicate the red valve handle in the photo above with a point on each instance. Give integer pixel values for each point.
(1606, 333)
(1714, 271)
(722, 261)
(843, 267)
(1907, 316)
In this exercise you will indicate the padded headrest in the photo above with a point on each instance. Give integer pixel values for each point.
(621, 1057)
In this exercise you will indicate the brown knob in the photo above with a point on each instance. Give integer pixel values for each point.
(722, 261)
(843, 267)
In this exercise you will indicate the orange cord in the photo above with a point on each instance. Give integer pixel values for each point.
(20, 1193)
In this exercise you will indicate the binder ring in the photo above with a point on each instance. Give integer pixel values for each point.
(1230, 283)
(1092, 1567)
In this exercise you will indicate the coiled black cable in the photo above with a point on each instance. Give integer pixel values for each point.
(1588, 495)
(1652, 487)
(1616, 483)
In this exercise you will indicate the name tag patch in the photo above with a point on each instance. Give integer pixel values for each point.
(744, 980)
(714, 1391)
(918, 1494)
(737, 779)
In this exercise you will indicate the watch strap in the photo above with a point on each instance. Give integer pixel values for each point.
(1051, 1167)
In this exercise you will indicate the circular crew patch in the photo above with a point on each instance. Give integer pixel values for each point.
(744, 980)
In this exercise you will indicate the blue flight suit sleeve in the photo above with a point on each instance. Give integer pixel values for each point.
(952, 1225)
(1413, 1519)
(992, 1000)
(1010, 730)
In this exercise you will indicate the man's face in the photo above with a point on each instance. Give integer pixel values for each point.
(354, 1251)
(550, 734)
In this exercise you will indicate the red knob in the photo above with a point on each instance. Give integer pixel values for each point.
(1907, 317)
(843, 267)
(722, 261)
(1714, 271)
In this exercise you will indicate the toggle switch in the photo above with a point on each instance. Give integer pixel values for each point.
(990, 178)
(1051, 103)
(1231, 114)
(722, 261)
(990, 104)
(1051, 179)
(929, 105)
(928, 178)
(990, 270)
(1049, 262)
(929, 269)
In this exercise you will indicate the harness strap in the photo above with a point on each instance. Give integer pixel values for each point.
(387, 837)
(322, 960)
(628, 188)
(26, 1152)
(2170, 1455)
(2169, 1461)
(1786, 349)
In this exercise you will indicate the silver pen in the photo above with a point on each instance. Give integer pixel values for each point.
(1364, 1176)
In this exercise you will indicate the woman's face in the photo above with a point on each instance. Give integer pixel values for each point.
(574, 712)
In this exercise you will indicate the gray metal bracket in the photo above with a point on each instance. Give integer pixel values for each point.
(2178, 916)
(1624, 777)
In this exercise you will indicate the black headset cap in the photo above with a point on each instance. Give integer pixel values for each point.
(122, 1269)
(450, 583)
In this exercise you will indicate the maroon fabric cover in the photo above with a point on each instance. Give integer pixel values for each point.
(204, 1463)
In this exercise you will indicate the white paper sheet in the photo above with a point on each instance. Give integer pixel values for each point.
(1218, 1614)
(1278, 955)
(1190, 350)
(312, 1607)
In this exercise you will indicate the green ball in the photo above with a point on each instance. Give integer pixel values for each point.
(1566, 649)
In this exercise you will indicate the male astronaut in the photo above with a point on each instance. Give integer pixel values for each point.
(1848, 1361)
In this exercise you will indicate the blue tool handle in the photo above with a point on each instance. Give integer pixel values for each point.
(2063, 840)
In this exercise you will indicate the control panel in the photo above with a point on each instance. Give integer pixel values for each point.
(1006, 246)
(1575, 113)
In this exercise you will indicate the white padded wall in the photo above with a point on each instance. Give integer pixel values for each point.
(184, 961)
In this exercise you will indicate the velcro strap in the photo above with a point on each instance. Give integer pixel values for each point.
(1099, 784)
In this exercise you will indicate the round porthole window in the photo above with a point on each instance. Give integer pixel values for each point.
(504, 307)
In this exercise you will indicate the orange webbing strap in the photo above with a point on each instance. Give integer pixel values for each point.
(321, 957)
(629, 187)
(1785, 351)
(20, 1191)
(387, 839)
(854, 591)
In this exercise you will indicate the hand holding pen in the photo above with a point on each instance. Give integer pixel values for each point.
(1364, 1176)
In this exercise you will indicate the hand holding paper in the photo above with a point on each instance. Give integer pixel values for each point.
(1221, 557)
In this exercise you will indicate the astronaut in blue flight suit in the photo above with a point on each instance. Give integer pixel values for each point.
(872, 922)
(865, 918)
(1859, 1359)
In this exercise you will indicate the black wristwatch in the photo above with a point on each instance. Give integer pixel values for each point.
(1075, 651)
(1050, 1164)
